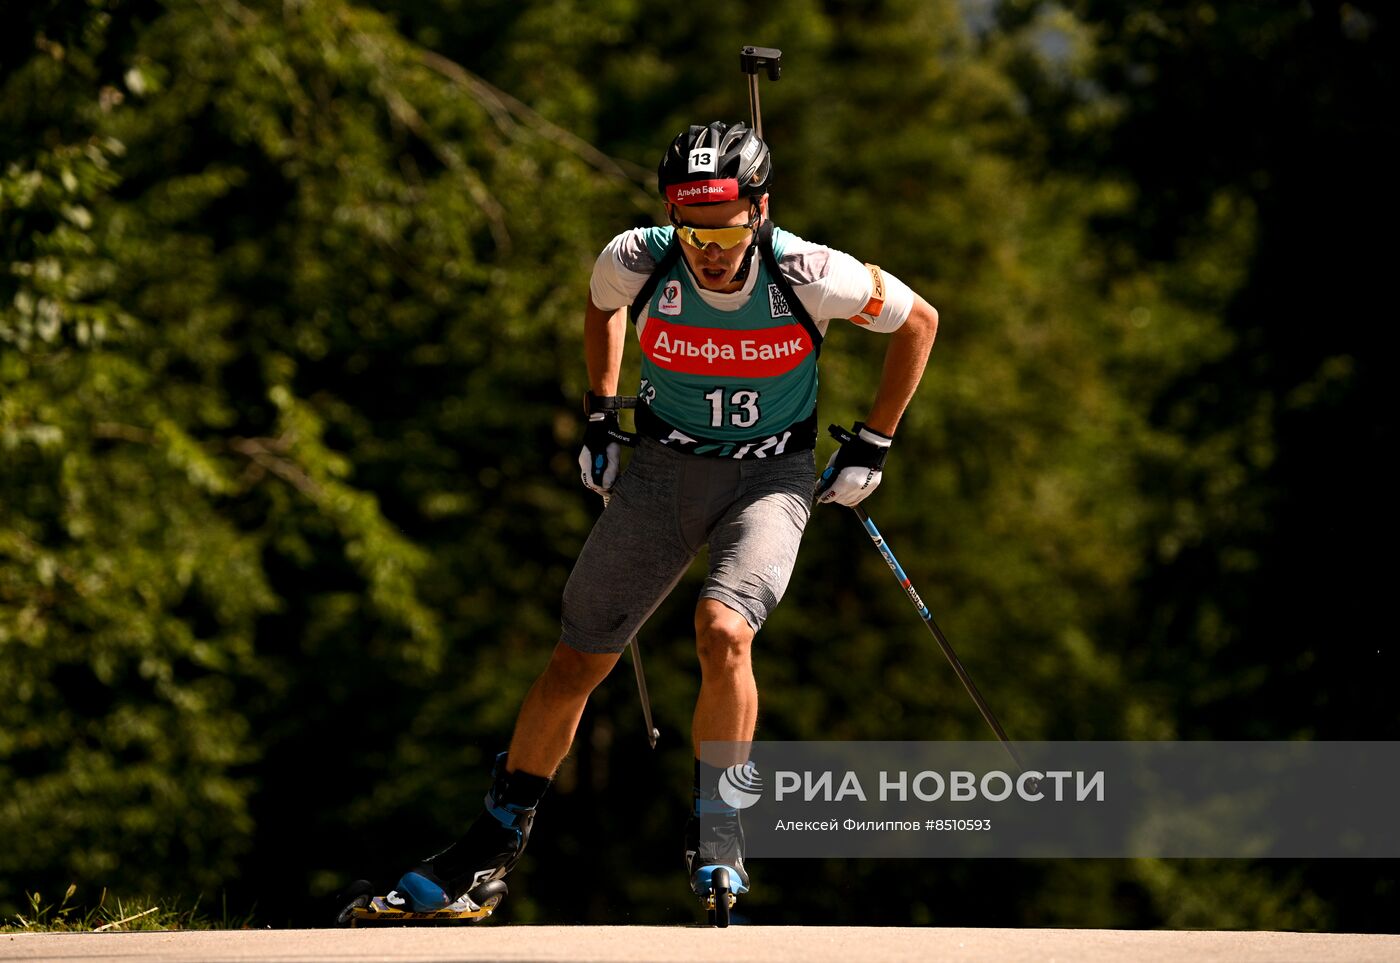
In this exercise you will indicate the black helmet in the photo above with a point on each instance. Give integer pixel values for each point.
(710, 165)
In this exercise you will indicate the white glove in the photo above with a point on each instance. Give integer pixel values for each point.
(854, 470)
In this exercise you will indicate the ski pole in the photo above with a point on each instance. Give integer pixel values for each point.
(653, 733)
(938, 636)
(750, 59)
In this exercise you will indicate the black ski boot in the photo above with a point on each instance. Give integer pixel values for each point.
(490, 849)
(712, 843)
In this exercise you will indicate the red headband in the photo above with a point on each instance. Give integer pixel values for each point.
(703, 192)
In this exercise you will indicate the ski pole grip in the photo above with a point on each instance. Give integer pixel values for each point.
(592, 402)
(840, 434)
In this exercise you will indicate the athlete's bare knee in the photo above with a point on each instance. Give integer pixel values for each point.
(572, 673)
(723, 639)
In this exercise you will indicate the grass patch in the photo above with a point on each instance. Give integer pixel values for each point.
(113, 914)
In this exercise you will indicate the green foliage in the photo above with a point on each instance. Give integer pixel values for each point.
(289, 360)
(112, 914)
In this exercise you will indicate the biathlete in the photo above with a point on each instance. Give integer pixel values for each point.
(731, 312)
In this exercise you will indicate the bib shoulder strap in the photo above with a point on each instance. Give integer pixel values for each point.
(770, 261)
(663, 267)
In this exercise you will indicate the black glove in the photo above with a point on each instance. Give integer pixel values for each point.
(603, 440)
(855, 468)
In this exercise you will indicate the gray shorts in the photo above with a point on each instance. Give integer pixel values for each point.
(663, 509)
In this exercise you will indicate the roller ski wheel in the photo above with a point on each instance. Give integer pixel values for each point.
(362, 907)
(356, 896)
(719, 895)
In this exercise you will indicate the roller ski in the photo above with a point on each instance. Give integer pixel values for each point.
(466, 880)
(716, 862)
(362, 907)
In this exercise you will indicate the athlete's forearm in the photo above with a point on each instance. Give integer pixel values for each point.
(603, 338)
(905, 359)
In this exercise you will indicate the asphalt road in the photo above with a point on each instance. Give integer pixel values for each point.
(766, 944)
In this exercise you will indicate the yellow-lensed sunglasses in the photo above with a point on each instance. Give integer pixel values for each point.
(725, 237)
